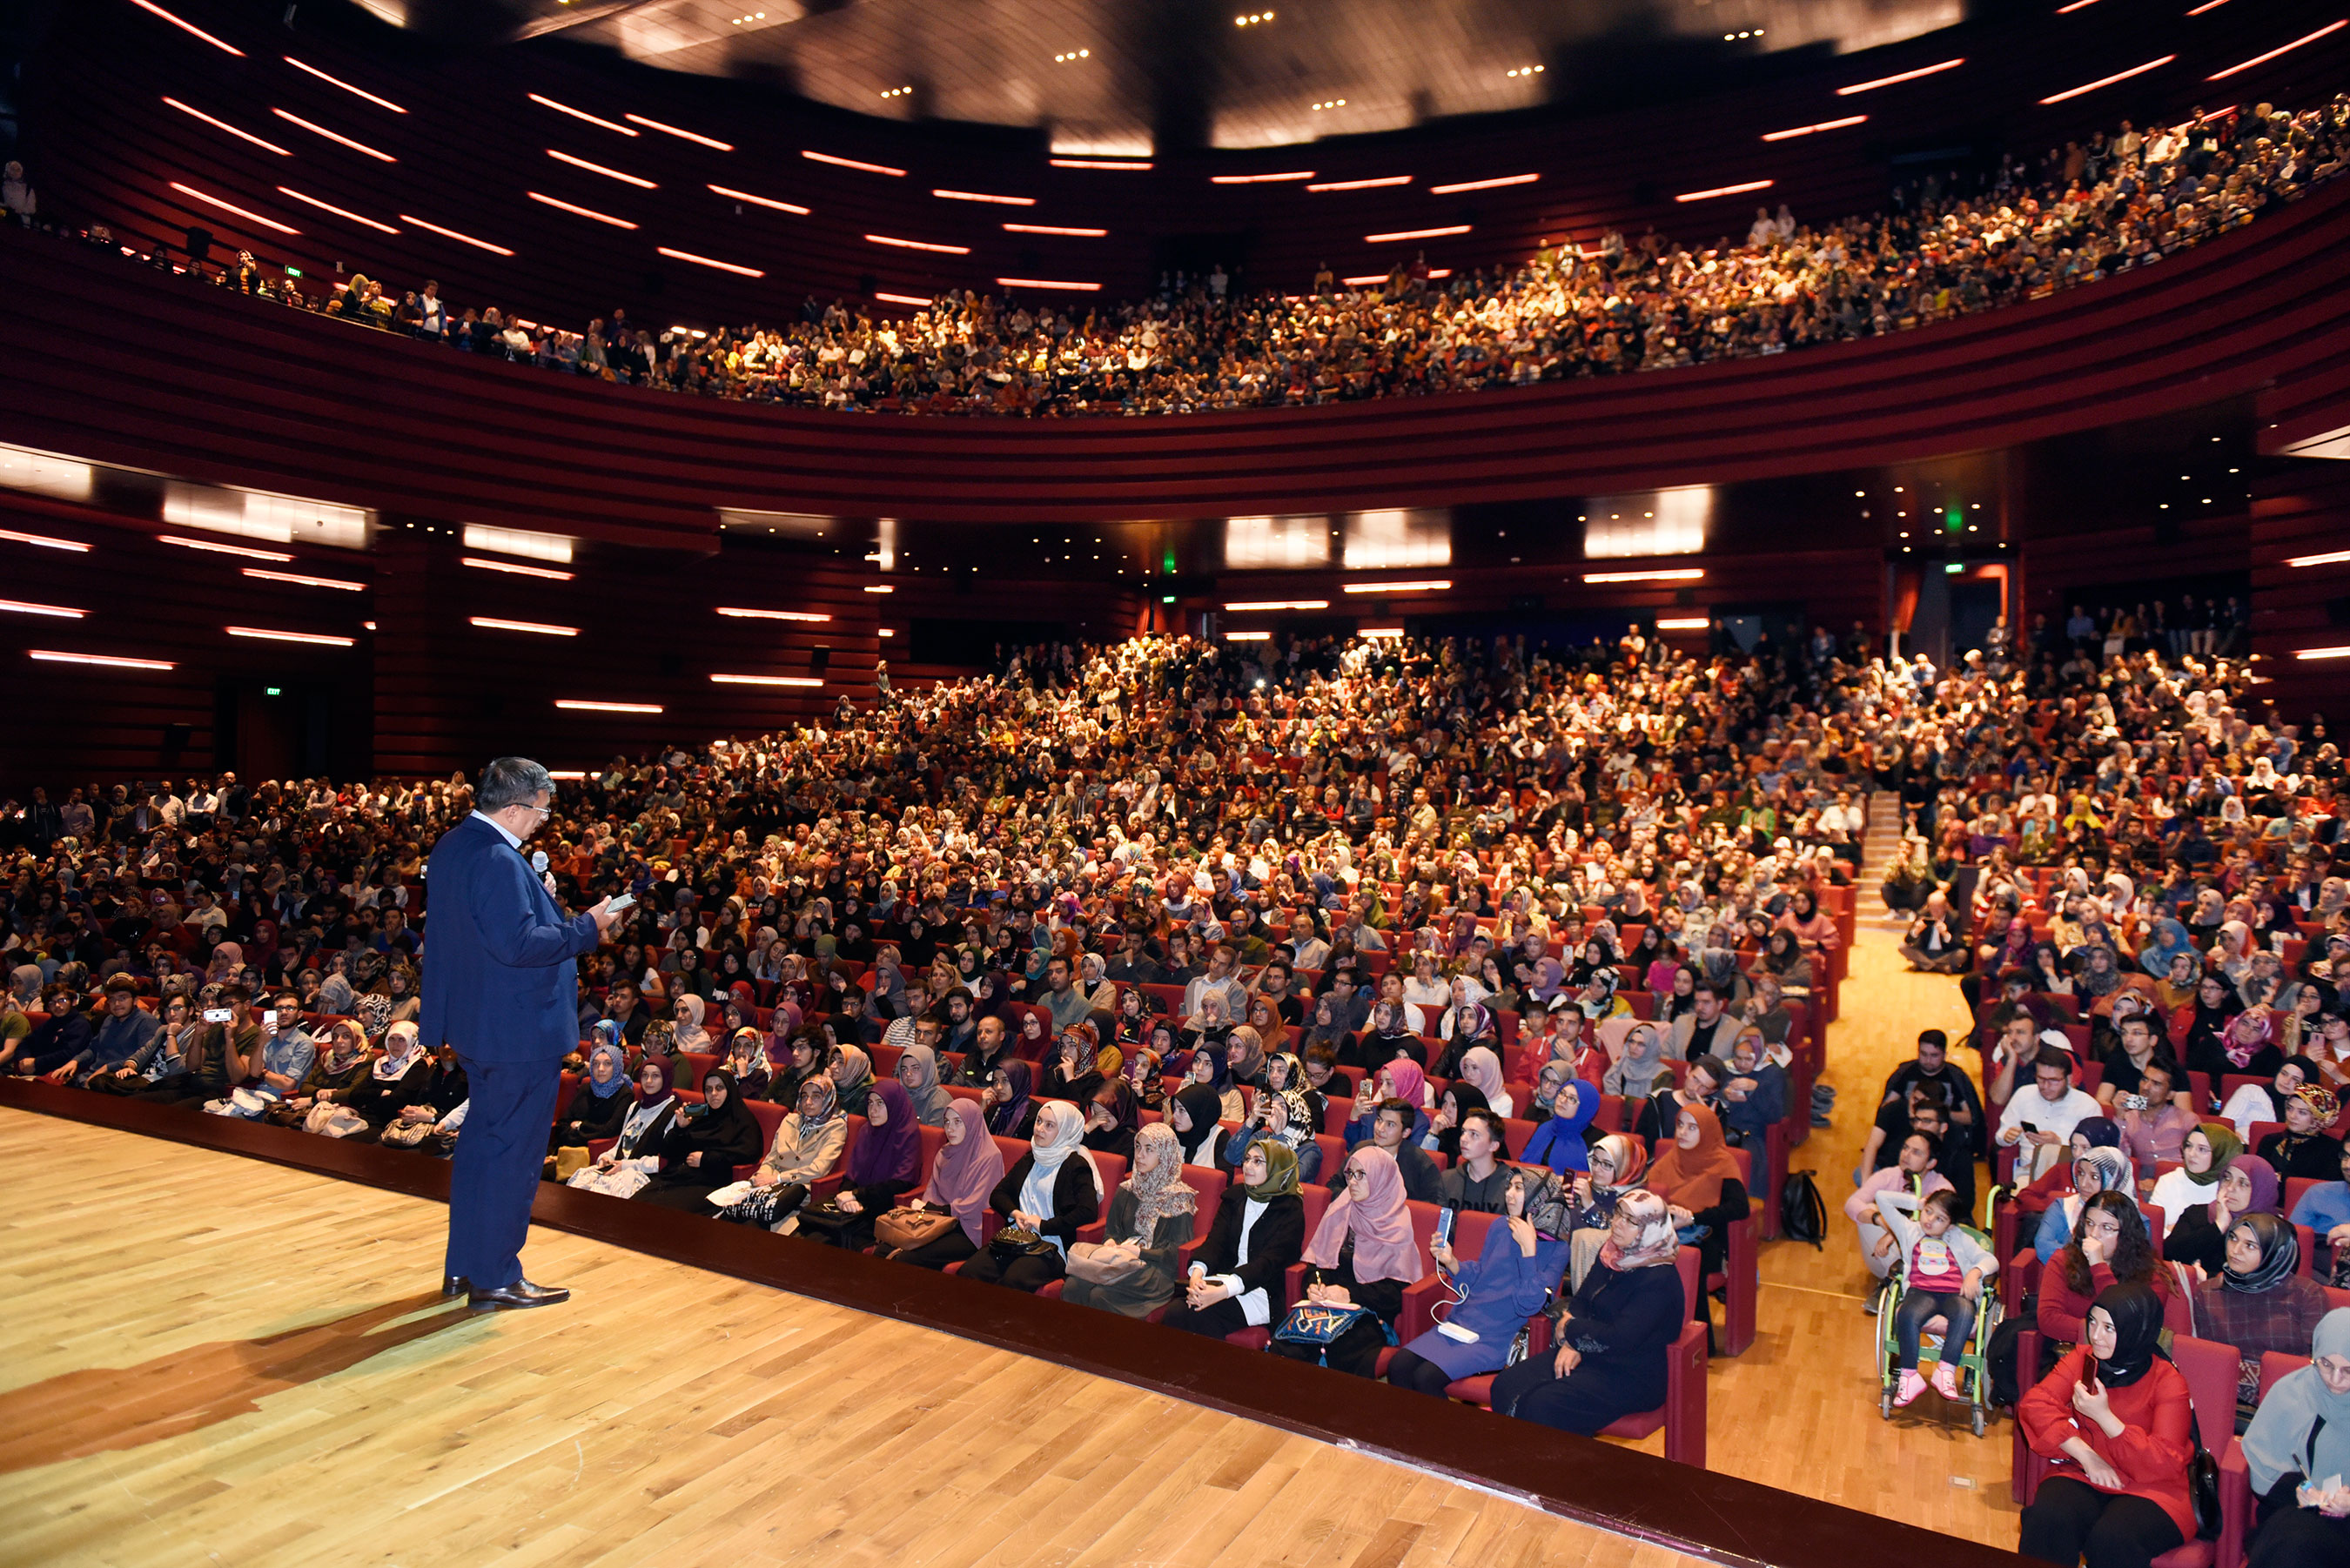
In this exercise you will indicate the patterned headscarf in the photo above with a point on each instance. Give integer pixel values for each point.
(1161, 1190)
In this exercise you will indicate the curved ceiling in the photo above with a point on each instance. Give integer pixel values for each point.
(1143, 75)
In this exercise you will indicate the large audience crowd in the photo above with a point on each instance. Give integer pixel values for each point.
(1192, 981)
(1947, 248)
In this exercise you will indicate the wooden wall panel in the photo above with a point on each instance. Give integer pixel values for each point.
(2304, 512)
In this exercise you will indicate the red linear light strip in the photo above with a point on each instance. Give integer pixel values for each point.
(2286, 49)
(918, 245)
(224, 125)
(515, 568)
(705, 260)
(894, 299)
(453, 234)
(760, 201)
(1483, 184)
(44, 541)
(1061, 284)
(2108, 81)
(301, 581)
(150, 5)
(580, 212)
(1900, 77)
(110, 661)
(266, 634)
(635, 118)
(232, 207)
(1416, 234)
(1738, 189)
(330, 207)
(1055, 229)
(337, 82)
(2207, 6)
(2075, 5)
(580, 114)
(373, 152)
(26, 607)
(639, 181)
(978, 196)
(220, 549)
(853, 163)
(1362, 184)
(1790, 135)
(1098, 163)
(1259, 179)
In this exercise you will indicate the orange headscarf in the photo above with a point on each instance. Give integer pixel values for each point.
(1692, 1177)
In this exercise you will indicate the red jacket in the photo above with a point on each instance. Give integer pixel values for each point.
(2062, 1313)
(2153, 1449)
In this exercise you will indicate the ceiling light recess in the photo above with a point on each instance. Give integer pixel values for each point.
(1658, 574)
(1278, 604)
(1425, 585)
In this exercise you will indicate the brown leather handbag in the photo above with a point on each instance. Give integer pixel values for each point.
(903, 1230)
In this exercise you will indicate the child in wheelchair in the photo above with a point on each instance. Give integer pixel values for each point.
(1943, 1269)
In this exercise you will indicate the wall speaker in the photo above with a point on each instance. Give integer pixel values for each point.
(819, 658)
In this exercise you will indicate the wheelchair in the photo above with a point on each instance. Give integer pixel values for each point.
(1973, 1367)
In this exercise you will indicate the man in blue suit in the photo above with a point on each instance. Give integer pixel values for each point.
(501, 984)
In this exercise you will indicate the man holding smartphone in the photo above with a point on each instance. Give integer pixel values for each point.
(501, 984)
(227, 1050)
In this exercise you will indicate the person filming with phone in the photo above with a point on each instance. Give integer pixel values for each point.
(2116, 1419)
(501, 984)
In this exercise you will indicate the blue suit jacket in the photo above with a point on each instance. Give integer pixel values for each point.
(501, 975)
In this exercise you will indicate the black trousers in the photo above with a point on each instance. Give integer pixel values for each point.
(1030, 1272)
(2297, 1537)
(2070, 1519)
(1213, 1322)
(1416, 1372)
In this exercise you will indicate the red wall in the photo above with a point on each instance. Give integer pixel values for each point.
(2303, 513)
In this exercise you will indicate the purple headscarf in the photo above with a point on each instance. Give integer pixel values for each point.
(894, 1153)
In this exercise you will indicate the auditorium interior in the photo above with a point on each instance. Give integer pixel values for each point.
(1570, 655)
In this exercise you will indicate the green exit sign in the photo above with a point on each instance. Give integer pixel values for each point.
(273, 691)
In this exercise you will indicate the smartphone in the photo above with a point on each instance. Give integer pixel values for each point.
(1444, 1219)
(217, 1015)
(622, 902)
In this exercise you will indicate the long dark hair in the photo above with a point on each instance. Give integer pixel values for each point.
(2134, 1262)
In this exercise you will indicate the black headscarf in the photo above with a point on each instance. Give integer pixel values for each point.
(2279, 1253)
(2137, 1313)
(1204, 1105)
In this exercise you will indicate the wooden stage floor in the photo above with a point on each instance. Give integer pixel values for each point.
(220, 1361)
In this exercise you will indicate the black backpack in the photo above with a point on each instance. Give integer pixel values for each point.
(1802, 1217)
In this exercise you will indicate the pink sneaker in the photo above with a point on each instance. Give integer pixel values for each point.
(1911, 1386)
(1946, 1381)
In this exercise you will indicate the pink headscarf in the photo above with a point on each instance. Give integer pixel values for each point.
(965, 1173)
(1410, 1083)
(1482, 1068)
(1384, 1249)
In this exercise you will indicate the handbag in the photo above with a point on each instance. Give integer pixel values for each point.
(2202, 1473)
(1315, 1324)
(1099, 1263)
(1019, 1241)
(903, 1230)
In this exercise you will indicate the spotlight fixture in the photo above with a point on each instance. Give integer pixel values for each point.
(1527, 71)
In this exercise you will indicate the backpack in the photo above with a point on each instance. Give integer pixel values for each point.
(1802, 1217)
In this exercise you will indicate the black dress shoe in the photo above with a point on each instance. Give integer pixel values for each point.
(521, 1294)
(455, 1285)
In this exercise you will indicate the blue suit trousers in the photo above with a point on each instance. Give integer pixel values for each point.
(501, 1156)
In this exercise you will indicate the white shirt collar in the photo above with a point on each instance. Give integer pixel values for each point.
(494, 822)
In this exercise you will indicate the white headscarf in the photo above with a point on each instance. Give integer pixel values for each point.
(1059, 1126)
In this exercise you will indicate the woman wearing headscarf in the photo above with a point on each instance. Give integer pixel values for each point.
(1151, 1215)
(705, 1144)
(398, 1080)
(2298, 1444)
(1598, 999)
(1100, 994)
(685, 1023)
(1482, 1065)
(968, 1166)
(1273, 1031)
(1387, 1036)
(341, 1066)
(887, 1161)
(746, 1058)
(1141, 1073)
(622, 1169)
(2116, 1421)
(599, 1105)
(2261, 1301)
(2200, 1235)
(1113, 1117)
(1559, 1143)
(851, 1071)
(1362, 1256)
(1697, 1176)
(1259, 1231)
(2206, 1029)
(2268, 1101)
(1053, 1192)
(918, 1070)
(2302, 1148)
(1614, 1334)
(2099, 1164)
(2204, 1158)
(1011, 1107)
(1398, 1080)
(2171, 944)
(1193, 1112)
(1505, 1284)
(808, 1145)
(1635, 1054)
